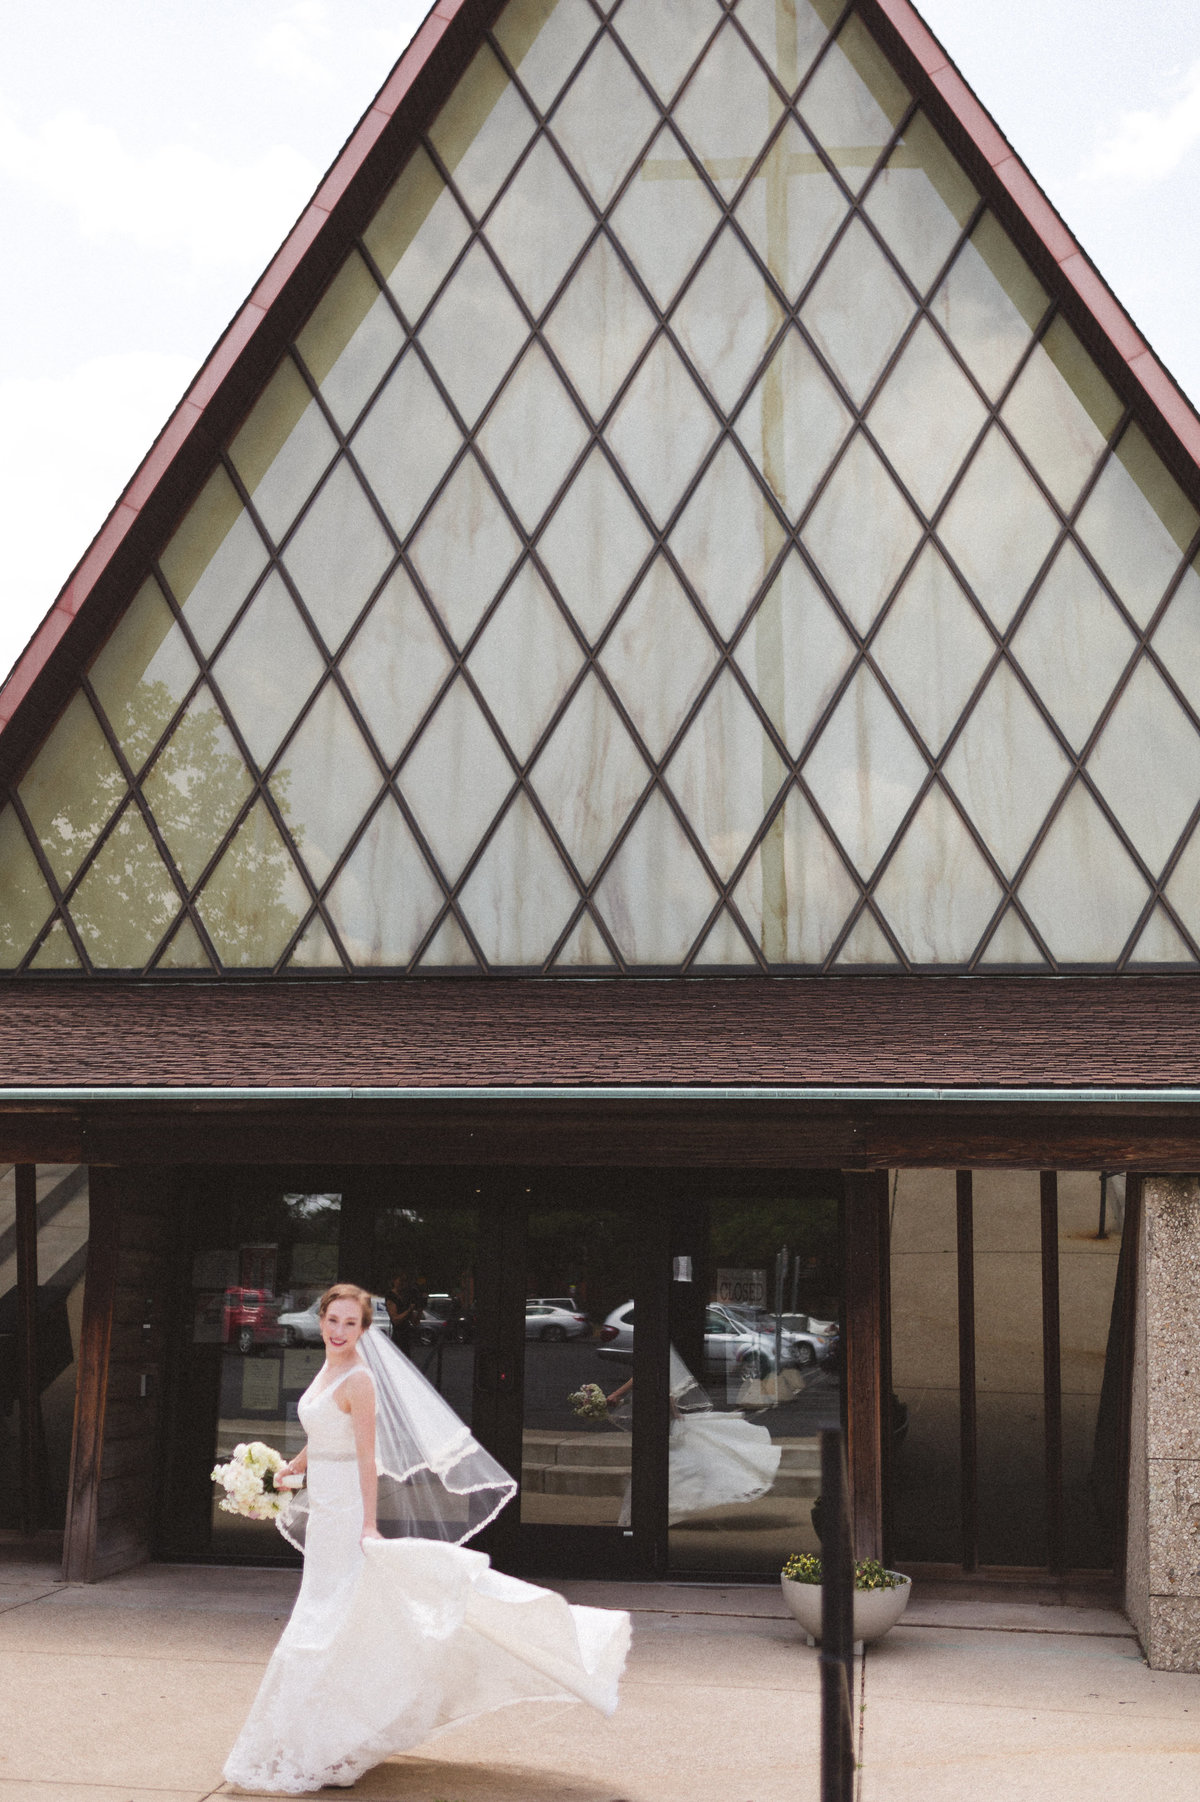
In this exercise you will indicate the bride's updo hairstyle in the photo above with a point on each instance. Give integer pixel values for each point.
(348, 1292)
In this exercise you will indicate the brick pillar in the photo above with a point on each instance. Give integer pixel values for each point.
(1162, 1567)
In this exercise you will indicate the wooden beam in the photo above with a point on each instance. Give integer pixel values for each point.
(864, 1342)
(28, 1389)
(1052, 1376)
(91, 1393)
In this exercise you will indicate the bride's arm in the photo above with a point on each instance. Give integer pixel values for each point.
(360, 1396)
(296, 1467)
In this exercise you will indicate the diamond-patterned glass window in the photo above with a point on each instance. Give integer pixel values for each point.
(683, 534)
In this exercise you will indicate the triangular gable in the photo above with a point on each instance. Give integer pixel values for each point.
(713, 516)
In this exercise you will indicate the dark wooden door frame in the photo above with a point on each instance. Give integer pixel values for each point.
(866, 1341)
(91, 1392)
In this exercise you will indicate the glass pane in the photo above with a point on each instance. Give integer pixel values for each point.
(594, 545)
(932, 648)
(481, 130)
(473, 334)
(465, 549)
(793, 423)
(213, 560)
(990, 304)
(603, 120)
(426, 1266)
(857, 311)
(921, 201)
(1081, 891)
(338, 554)
(259, 1259)
(1088, 1253)
(543, 40)
(727, 111)
(796, 893)
(862, 533)
(864, 771)
(727, 539)
(926, 418)
(72, 789)
(579, 1273)
(723, 947)
(791, 209)
(726, 320)
(790, 35)
(518, 897)
(405, 444)
(350, 341)
(415, 236)
(753, 1379)
(725, 774)
(184, 951)
(385, 899)
(268, 669)
(448, 949)
(1012, 945)
(1137, 522)
(1147, 765)
(589, 776)
(661, 430)
(196, 786)
(795, 653)
(532, 436)
(324, 781)
(539, 226)
(24, 898)
(584, 948)
(1161, 942)
(665, 217)
(1006, 768)
(56, 952)
(998, 528)
(455, 779)
(599, 326)
(282, 449)
(926, 1466)
(1008, 1367)
(854, 102)
(125, 903)
(254, 900)
(1062, 412)
(395, 665)
(658, 657)
(665, 37)
(1177, 639)
(143, 673)
(315, 949)
(524, 661)
(655, 896)
(937, 892)
(867, 947)
(1183, 890)
(1073, 644)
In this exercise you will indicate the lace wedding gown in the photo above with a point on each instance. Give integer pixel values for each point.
(393, 1642)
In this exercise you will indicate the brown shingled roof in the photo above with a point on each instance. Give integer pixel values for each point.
(1070, 1032)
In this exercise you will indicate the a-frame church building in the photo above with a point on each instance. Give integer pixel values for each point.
(632, 752)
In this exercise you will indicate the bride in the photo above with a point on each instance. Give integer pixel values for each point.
(399, 1631)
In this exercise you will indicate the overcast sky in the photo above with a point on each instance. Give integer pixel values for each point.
(153, 156)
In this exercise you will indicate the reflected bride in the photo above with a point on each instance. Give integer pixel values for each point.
(399, 1631)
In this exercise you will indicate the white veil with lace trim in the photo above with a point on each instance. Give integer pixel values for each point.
(435, 1480)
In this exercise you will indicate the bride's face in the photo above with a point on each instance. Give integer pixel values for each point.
(341, 1326)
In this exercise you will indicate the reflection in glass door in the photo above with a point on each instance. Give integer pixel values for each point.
(577, 1453)
(754, 1376)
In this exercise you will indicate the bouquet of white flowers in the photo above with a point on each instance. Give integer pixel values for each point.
(249, 1482)
(590, 1402)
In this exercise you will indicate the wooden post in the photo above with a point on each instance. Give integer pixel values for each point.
(28, 1390)
(865, 1351)
(99, 1295)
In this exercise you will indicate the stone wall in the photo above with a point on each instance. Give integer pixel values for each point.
(1162, 1572)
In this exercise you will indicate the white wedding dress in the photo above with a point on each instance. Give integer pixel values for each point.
(393, 1642)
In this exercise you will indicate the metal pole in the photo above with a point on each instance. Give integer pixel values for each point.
(27, 1299)
(837, 1625)
(1102, 1229)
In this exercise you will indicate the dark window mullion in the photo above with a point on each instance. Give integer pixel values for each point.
(1052, 1376)
(968, 1430)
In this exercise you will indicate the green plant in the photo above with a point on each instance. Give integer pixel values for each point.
(805, 1567)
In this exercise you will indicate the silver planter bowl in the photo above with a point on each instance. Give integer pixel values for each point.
(876, 1611)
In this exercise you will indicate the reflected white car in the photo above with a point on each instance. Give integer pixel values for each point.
(546, 1320)
(734, 1339)
(303, 1326)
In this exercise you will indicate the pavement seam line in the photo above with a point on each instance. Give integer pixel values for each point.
(1048, 1632)
(12, 1607)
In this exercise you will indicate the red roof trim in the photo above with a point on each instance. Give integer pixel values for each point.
(186, 424)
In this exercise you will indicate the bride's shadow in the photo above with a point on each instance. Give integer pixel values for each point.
(436, 1780)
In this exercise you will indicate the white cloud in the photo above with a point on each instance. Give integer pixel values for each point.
(292, 47)
(174, 197)
(69, 446)
(1149, 146)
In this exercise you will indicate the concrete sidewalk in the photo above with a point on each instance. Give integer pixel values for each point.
(133, 1690)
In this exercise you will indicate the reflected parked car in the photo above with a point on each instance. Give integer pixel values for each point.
(734, 1339)
(546, 1320)
(444, 1317)
(302, 1326)
(240, 1317)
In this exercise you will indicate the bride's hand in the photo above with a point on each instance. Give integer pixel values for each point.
(370, 1533)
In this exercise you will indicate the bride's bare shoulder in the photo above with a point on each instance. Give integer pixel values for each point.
(358, 1389)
